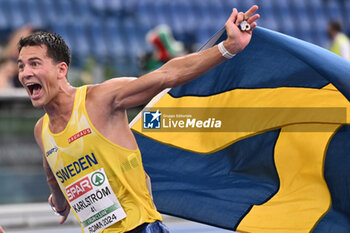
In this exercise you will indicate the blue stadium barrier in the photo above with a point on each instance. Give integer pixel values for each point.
(82, 11)
(114, 40)
(4, 19)
(332, 10)
(16, 16)
(64, 11)
(33, 15)
(77, 35)
(268, 17)
(319, 26)
(284, 17)
(192, 22)
(48, 11)
(347, 15)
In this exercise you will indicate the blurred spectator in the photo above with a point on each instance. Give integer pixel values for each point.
(8, 57)
(165, 48)
(161, 37)
(340, 43)
(8, 71)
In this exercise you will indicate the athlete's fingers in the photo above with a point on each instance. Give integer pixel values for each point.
(250, 12)
(2, 230)
(233, 16)
(65, 214)
(63, 219)
(252, 26)
(253, 18)
(240, 18)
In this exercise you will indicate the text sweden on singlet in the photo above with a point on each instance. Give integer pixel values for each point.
(76, 167)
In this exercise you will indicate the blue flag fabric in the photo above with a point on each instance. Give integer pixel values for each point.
(284, 169)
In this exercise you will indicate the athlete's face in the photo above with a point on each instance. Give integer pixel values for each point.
(38, 74)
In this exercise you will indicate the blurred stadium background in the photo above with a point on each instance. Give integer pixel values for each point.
(107, 39)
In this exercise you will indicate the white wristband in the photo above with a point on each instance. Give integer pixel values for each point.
(224, 51)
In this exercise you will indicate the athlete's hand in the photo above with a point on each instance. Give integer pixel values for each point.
(2, 230)
(64, 215)
(237, 39)
(63, 211)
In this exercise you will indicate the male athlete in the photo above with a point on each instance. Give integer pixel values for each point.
(91, 158)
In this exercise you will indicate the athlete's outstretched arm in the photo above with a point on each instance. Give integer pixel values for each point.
(56, 199)
(181, 70)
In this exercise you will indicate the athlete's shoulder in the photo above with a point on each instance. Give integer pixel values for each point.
(39, 125)
(110, 84)
(107, 89)
(37, 131)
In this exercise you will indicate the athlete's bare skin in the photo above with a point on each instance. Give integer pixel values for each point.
(46, 83)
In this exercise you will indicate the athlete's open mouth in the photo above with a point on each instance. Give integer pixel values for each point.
(34, 88)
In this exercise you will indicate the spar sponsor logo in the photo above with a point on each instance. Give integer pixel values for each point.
(84, 185)
(80, 134)
(98, 178)
(78, 189)
(87, 191)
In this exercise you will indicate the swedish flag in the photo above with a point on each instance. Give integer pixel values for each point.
(279, 159)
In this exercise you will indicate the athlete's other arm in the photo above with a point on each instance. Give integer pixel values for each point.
(56, 198)
(178, 71)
